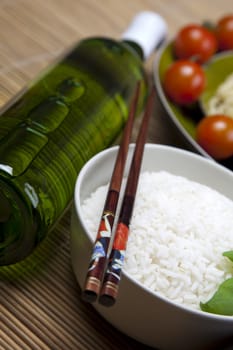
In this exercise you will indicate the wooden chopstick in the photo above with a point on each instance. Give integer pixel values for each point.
(99, 254)
(112, 276)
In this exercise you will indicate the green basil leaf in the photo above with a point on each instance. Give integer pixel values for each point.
(229, 254)
(222, 301)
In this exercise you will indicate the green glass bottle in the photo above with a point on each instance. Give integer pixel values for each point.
(70, 113)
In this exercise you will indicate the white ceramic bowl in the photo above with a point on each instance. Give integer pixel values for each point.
(139, 313)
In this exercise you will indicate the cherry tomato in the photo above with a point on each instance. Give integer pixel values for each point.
(224, 32)
(195, 41)
(184, 81)
(215, 135)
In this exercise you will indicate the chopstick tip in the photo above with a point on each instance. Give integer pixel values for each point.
(91, 290)
(108, 294)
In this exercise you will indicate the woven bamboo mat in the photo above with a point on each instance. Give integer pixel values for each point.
(40, 305)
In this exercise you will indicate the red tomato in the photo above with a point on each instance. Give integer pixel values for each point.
(224, 32)
(195, 41)
(184, 81)
(215, 135)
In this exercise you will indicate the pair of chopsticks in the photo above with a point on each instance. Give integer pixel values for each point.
(100, 281)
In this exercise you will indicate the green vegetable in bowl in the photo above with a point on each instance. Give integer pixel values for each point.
(222, 301)
(217, 70)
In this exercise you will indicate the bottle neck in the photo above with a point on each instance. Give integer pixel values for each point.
(146, 30)
(136, 47)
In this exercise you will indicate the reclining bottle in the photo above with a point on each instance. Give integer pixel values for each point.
(70, 113)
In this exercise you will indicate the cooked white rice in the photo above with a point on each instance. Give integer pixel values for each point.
(222, 100)
(178, 233)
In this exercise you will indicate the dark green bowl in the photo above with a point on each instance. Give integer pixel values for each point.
(186, 119)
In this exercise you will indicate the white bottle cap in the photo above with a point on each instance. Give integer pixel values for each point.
(147, 29)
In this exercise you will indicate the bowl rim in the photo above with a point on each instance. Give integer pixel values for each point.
(78, 211)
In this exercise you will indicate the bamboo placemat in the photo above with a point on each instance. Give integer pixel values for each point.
(40, 304)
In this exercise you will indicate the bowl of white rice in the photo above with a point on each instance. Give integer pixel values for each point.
(180, 228)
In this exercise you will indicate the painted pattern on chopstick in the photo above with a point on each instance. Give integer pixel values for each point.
(116, 260)
(104, 234)
(112, 276)
(100, 249)
(99, 254)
